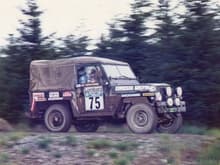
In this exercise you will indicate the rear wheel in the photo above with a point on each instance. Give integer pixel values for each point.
(57, 118)
(87, 126)
(170, 123)
(141, 118)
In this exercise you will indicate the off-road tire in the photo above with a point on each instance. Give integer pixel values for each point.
(58, 113)
(141, 118)
(171, 127)
(87, 126)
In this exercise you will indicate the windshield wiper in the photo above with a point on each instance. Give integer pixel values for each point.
(123, 76)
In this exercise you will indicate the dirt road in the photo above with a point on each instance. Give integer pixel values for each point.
(100, 148)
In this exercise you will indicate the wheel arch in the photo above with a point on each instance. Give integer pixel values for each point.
(128, 102)
(43, 106)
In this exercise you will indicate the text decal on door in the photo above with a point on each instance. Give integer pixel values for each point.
(94, 98)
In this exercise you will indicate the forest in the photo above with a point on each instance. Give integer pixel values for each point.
(182, 49)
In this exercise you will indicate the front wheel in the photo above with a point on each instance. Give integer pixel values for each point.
(57, 118)
(141, 118)
(170, 123)
(87, 126)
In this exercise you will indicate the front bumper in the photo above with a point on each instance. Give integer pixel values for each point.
(163, 108)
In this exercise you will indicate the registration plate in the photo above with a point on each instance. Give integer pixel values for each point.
(172, 109)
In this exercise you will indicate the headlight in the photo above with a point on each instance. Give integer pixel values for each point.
(179, 91)
(168, 91)
(177, 101)
(158, 96)
(170, 102)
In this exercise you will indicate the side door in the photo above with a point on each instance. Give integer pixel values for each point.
(91, 91)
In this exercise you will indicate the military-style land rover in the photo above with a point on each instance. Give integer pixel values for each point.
(87, 91)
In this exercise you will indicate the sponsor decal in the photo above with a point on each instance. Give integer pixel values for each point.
(55, 98)
(54, 94)
(39, 96)
(145, 88)
(124, 88)
(136, 88)
(131, 95)
(94, 98)
(67, 94)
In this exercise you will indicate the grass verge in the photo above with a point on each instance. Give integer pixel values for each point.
(210, 155)
(44, 143)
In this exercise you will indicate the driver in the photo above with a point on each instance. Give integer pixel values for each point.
(93, 76)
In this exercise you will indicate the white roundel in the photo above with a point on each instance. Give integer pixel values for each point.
(179, 91)
(170, 102)
(177, 101)
(168, 91)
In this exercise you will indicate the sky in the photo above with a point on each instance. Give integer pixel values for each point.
(87, 17)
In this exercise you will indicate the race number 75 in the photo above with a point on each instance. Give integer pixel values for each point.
(94, 102)
(94, 98)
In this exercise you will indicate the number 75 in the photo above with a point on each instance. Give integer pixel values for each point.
(94, 101)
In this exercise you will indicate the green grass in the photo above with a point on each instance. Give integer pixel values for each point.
(118, 150)
(193, 129)
(4, 158)
(70, 140)
(99, 144)
(6, 143)
(113, 154)
(90, 152)
(44, 143)
(8, 139)
(25, 150)
(121, 146)
(57, 154)
(121, 161)
(124, 146)
(129, 156)
(3, 141)
(171, 149)
(200, 130)
(15, 136)
(214, 132)
(211, 155)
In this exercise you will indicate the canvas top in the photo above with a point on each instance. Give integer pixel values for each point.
(77, 60)
(60, 74)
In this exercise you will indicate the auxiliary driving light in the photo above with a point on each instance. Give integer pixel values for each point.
(177, 101)
(170, 102)
(179, 91)
(168, 91)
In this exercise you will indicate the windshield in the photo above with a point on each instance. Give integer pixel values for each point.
(119, 71)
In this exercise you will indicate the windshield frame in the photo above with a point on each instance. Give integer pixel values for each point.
(121, 76)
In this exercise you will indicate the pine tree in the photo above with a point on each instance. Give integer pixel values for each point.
(200, 38)
(3, 85)
(73, 46)
(166, 61)
(21, 50)
(127, 38)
